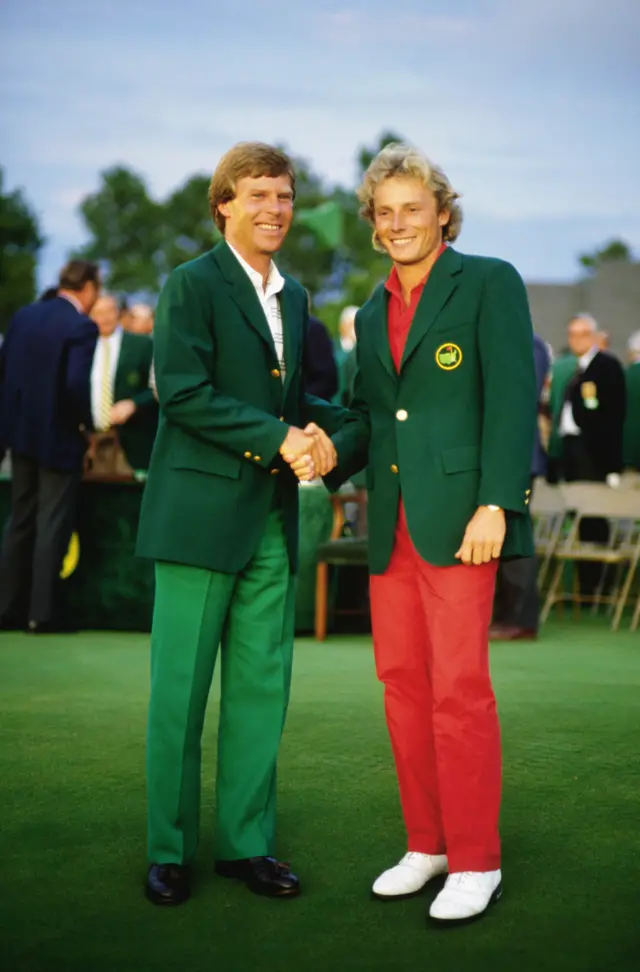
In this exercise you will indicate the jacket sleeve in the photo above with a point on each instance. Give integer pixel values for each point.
(143, 399)
(184, 345)
(611, 431)
(352, 440)
(509, 388)
(78, 362)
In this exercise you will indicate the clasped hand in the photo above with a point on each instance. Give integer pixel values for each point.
(310, 452)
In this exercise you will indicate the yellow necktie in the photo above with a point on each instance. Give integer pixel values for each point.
(106, 391)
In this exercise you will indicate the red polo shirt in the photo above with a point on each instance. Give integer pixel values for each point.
(399, 314)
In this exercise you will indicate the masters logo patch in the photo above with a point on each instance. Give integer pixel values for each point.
(448, 357)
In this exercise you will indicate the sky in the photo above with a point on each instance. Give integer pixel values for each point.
(532, 108)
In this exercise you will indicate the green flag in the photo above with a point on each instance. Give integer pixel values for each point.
(325, 221)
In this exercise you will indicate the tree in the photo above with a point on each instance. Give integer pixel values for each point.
(127, 232)
(140, 240)
(20, 243)
(616, 251)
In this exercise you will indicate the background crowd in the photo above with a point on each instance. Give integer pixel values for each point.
(582, 437)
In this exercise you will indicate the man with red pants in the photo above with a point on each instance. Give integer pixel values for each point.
(443, 415)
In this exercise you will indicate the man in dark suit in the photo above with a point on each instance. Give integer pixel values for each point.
(590, 427)
(443, 416)
(45, 363)
(120, 392)
(516, 605)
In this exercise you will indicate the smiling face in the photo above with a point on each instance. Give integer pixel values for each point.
(406, 219)
(257, 220)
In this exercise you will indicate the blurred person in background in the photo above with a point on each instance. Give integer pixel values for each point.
(563, 369)
(321, 372)
(590, 427)
(603, 341)
(140, 319)
(631, 439)
(120, 392)
(346, 354)
(45, 367)
(516, 606)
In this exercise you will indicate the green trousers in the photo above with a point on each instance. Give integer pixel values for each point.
(250, 615)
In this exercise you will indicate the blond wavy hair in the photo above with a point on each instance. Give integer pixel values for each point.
(400, 159)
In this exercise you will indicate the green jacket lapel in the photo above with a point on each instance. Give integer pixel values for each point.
(292, 333)
(437, 291)
(243, 292)
(375, 322)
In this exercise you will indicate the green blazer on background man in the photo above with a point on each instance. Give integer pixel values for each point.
(562, 371)
(132, 382)
(215, 467)
(631, 446)
(454, 430)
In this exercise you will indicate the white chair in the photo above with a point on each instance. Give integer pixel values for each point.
(621, 507)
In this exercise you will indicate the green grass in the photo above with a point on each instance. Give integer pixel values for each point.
(72, 848)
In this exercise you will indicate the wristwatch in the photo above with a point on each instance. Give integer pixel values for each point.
(494, 509)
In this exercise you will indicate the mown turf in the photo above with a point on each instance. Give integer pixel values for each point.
(73, 819)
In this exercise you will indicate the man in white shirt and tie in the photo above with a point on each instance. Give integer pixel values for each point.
(120, 393)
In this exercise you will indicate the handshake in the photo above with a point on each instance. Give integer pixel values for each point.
(309, 452)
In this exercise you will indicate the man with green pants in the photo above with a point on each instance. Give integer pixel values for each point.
(220, 519)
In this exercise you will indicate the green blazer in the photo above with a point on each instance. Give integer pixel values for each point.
(215, 471)
(132, 381)
(562, 371)
(631, 446)
(454, 430)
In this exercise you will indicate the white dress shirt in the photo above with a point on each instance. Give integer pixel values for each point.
(268, 297)
(568, 425)
(114, 341)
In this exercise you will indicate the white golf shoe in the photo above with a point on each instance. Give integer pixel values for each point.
(409, 876)
(466, 894)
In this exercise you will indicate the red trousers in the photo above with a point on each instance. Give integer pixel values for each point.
(431, 644)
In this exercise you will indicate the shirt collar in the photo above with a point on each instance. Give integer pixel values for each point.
(585, 360)
(114, 336)
(275, 280)
(73, 301)
(393, 281)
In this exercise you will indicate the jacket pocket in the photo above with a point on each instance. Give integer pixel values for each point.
(204, 458)
(461, 459)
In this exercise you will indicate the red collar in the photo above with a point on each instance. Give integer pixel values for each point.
(393, 285)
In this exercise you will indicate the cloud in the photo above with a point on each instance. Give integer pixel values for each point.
(529, 107)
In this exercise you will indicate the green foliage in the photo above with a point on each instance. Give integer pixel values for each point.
(20, 242)
(138, 239)
(613, 251)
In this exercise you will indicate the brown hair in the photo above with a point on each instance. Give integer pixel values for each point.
(246, 159)
(399, 159)
(76, 273)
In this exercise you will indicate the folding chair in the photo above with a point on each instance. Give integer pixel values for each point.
(548, 513)
(341, 550)
(622, 509)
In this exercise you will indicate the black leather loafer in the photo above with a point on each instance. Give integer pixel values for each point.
(262, 875)
(168, 884)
